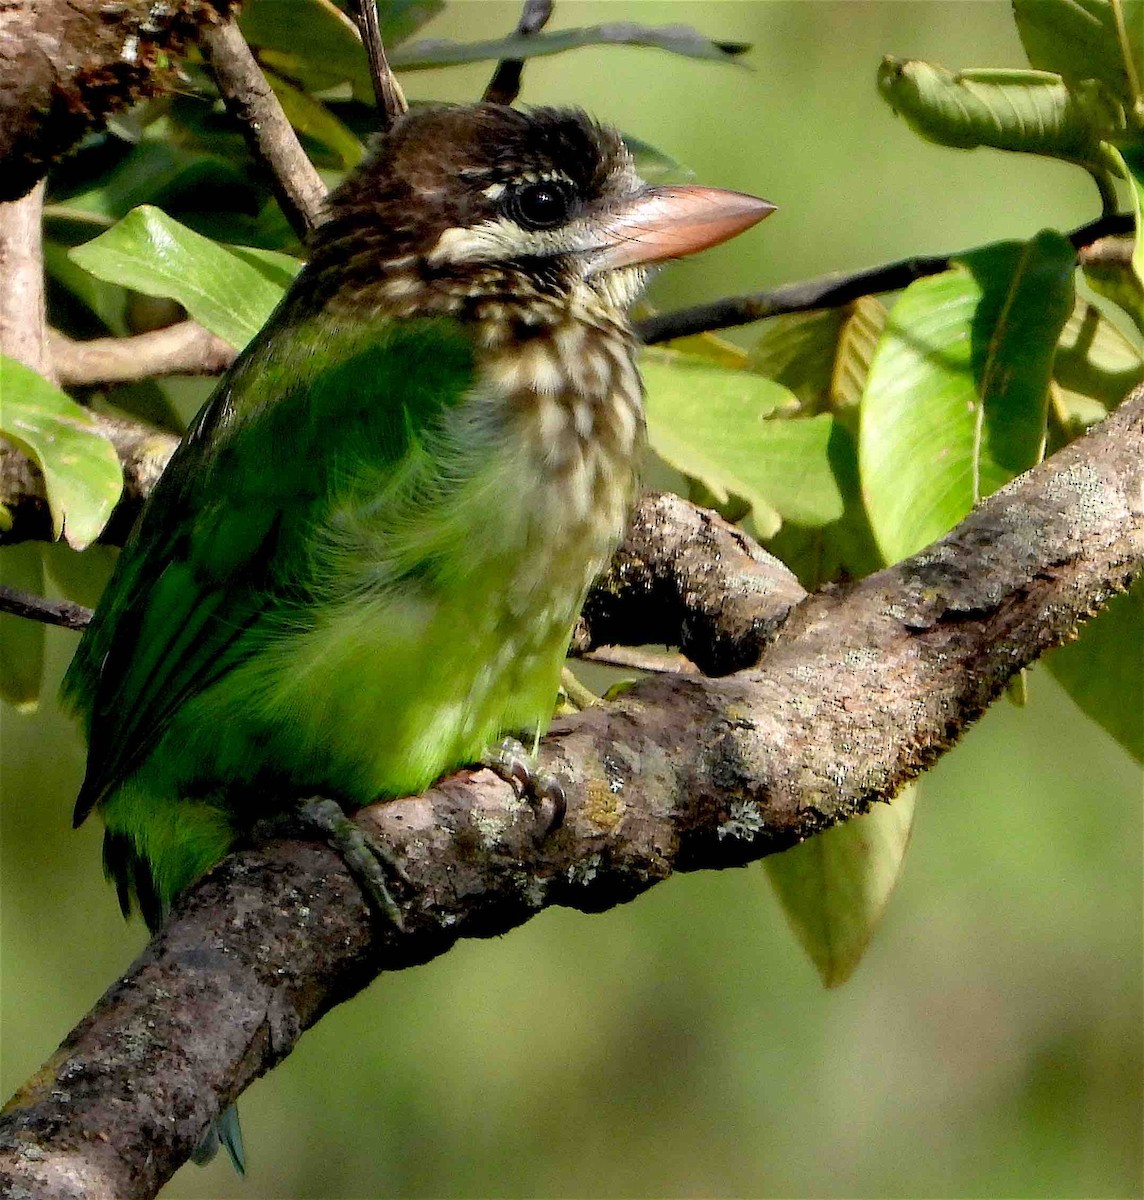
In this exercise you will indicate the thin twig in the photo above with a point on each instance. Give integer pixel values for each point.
(391, 102)
(47, 612)
(183, 349)
(504, 87)
(829, 291)
(272, 140)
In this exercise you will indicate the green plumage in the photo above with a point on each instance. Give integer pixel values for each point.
(294, 615)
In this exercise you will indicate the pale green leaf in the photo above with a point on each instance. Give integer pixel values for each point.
(1034, 112)
(1094, 369)
(711, 424)
(21, 640)
(1103, 671)
(81, 471)
(835, 886)
(677, 39)
(797, 350)
(1078, 39)
(857, 342)
(956, 401)
(154, 254)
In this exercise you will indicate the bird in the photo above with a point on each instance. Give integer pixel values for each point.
(363, 563)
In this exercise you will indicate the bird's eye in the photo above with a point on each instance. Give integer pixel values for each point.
(541, 205)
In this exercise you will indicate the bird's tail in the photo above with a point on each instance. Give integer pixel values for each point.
(225, 1131)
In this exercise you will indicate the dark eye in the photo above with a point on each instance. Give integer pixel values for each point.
(541, 205)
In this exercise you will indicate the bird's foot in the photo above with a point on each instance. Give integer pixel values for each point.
(542, 789)
(371, 863)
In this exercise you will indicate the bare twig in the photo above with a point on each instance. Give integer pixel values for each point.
(863, 688)
(23, 327)
(391, 102)
(504, 87)
(829, 291)
(183, 349)
(47, 612)
(65, 67)
(271, 138)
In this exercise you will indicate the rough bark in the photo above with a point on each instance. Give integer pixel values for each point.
(862, 688)
(66, 66)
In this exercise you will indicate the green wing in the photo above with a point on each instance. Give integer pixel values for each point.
(223, 540)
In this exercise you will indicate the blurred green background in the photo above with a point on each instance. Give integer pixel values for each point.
(990, 1044)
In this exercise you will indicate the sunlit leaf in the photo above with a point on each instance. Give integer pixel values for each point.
(711, 424)
(857, 341)
(1103, 671)
(1094, 369)
(678, 39)
(311, 41)
(956, 400)
(1030, 111)
(81, 471)
(1078, 39)
(835, 886)
(841, 549)
(21, 640)
(154, 254)
(797, 350)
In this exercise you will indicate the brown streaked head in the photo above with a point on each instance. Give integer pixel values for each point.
(460, 205)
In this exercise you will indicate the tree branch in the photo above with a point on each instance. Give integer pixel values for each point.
(270, 136)
(23, 323)
(391, 102)
(861, 690)
(504, 87)
(66, 67)
(185, 348)
(47, 612)
(829, 291)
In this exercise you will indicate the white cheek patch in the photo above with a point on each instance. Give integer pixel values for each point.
(500, 239)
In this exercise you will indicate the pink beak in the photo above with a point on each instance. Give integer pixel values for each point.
(669, 222)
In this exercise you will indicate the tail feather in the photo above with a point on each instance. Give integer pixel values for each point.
(225, 1131)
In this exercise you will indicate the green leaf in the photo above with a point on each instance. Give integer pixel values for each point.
(835, 886)
(822, 356)
(842, 549)
(956, 400)
(1094, 369)
(1103, 671)
(21, 640)
(711, 424)
(154, 254)
(311, 41)
(797, 350)
(313, 119)
(1034, 112)
(654, 164)
(81, 470)
(677, 39)
(1078, 39)
(857, 342)
(278, 268)
(79, 577)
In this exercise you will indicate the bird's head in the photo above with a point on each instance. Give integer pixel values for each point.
(463, 209)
